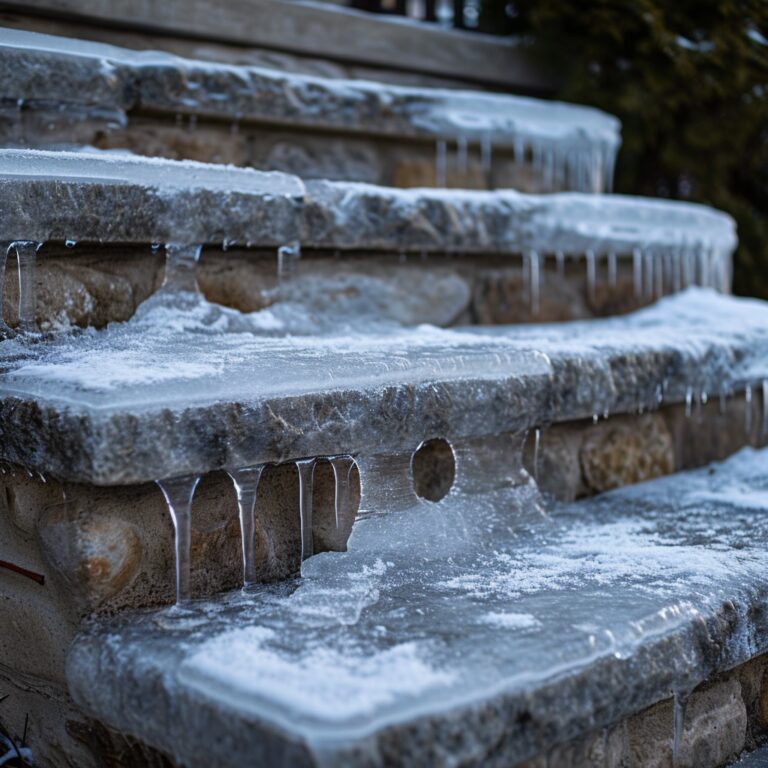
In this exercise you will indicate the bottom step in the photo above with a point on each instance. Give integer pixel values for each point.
(478, 630)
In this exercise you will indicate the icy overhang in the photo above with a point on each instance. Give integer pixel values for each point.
(114, 197)
(187, 387)
(581, 141)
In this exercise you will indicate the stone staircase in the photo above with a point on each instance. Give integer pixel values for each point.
(297, 467)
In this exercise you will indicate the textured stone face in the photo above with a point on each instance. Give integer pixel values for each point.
(617, 455)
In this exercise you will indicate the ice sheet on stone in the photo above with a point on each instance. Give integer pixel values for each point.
(479, 599)
(97, 167)
(469, 221)
(182, 349)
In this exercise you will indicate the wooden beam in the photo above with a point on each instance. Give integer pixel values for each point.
(316, 29)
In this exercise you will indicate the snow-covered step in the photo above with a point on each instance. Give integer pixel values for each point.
(475, 630)
(511, 256)
(187, 387)
(63, 91)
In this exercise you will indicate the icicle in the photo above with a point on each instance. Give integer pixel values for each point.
(612, 269)
(461, 154)
(591, 274)
(637, 272)
(536, 447)
(178, 493)
(26, 253)
(180, 266)
(658, 289)
(560, 262)
(677, 260)
(723, 401)
(342, 468)
(486, 157)
(246, 482)
(765, 410)
(288, 257)
(5, 331)
(534, 263)
(680, 700)
(688, 402)
(748, 412)
(306, 469)
(649, 276)
(441, 162)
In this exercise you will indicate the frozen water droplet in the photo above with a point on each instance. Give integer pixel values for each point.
(688, 401)
(246, 482)
(637, 272)
(748, 408)
(306, 469)
(288, 257)
(70, 243)
(612, 269)
(178, 493)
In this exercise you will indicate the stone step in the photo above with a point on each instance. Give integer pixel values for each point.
(623, 630)
(485, 257)
(188, 387)
(59, 91)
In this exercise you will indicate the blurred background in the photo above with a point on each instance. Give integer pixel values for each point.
(687, 78)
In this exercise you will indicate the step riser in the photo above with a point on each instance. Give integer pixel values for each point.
(92, 285)
(110, 549)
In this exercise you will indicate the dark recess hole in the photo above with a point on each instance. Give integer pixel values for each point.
(434, 469)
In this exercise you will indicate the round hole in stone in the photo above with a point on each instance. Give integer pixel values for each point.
(434, 469)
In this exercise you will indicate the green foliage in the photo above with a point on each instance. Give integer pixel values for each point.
(689, 81)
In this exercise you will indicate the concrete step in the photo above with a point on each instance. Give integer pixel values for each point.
(63, 92)
(624, 630)
(420, 256)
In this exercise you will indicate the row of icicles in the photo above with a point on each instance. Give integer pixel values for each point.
(179, 493)
(558, 167)
(654, 273)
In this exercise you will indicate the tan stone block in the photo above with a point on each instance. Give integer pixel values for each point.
(624, 451)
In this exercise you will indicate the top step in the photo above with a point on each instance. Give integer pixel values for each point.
(58, 91)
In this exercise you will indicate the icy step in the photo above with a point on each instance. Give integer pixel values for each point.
(569, 147)
(186, 387)
(472, 629)
(108, 197)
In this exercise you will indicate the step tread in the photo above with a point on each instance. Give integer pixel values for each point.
(187, 386)
(114, 197)
(468, 628)
(40, 68)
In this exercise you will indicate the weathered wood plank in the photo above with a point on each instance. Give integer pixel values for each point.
(317, 29)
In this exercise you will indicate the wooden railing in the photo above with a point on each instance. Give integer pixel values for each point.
(459, 14)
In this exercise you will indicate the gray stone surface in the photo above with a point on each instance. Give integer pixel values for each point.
(115, 198)
(566, 624)
(189, 387)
